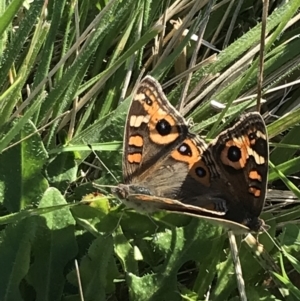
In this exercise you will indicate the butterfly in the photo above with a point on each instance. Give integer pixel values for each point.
(167, 167)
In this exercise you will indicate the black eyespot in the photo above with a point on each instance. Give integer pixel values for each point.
(185, 150)
(200, 172)
(148, 101)
(163, 127)
(234, 154)
(252, 136)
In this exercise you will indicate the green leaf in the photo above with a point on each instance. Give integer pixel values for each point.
(54, 246)
(9, 14)
(15, 248)
(124, 251)
(21, 179)
(62, 171)
(292, 289)
(13, 49)
(290, 237)
(177, 246)
(98, 269)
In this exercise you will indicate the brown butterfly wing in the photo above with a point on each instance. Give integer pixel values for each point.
(238, 160)
(152, 129)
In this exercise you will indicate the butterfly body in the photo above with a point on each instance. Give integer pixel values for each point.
(166, 167)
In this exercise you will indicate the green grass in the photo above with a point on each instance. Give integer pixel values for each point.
(66, 76)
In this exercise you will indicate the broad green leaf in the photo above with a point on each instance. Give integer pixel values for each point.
(124, 252)
(98, 269)
(177, 246)
(15, 253)
(290, 237)
(22, 182)
(54, 247)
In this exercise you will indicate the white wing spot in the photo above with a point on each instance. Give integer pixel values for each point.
(146, 119)
(139, 97)
(132, 120)
(258, 159)
(261, 135)
(136, 121)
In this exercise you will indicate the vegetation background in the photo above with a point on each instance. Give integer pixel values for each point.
(67, 71)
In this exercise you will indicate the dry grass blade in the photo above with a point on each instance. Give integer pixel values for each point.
(237, 266)
(79, 280)
(177, 34)
(200, 34)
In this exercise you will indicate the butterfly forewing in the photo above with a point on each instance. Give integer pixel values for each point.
(153, 128)
(241, 157)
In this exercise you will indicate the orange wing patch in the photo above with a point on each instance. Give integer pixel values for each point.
(189, 153)
(200, 172)
(149, 99)
(254, 175)
(134, 158)
(136, 141)
(158, 138)
(255, 191)
(242, 144)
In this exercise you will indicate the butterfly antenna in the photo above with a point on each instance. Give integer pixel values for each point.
(117, 225)
(102, 163)
(153, 222)
(237, 266)
(102, 186)
(79, 280)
